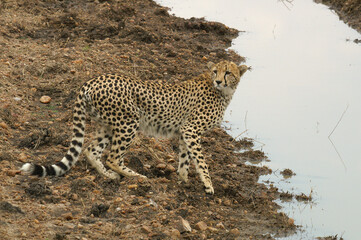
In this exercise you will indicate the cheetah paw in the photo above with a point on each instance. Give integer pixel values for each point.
(209, 190)
(112, 175)
(182, 179)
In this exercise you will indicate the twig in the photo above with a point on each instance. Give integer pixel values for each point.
(235, 139)
(338, 121)
(288, 1)
(329, 137)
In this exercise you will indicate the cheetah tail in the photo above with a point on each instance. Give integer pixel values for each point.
(75, 148)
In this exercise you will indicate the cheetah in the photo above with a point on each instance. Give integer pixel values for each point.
(124, 104)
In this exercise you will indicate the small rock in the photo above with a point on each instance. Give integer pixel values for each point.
(4, 125)
(45, 99)
(146, 229)
(235, 232)
(170, 168)
(132, 186)
(68, 216)
(171, 160)
(227, 202)
(161, 166)
(22, 157)
(212, 229)
(175, 234)
(291, 221)
(12, 173)
(201, 226)
(184, 226)
(220, 225)
(74, 196)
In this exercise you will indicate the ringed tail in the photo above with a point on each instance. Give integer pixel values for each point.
(75, 148)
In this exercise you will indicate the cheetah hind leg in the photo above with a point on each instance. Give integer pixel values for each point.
(95, 151)
(183, 165)
(120, 143)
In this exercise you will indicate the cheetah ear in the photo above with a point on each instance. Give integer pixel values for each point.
(243, 69)
(210, 65)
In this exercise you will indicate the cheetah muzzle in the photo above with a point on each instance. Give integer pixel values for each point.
(124, 104)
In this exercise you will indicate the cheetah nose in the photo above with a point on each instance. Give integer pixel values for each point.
(218, 82)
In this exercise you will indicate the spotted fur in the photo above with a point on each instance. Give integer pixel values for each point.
(124, 104)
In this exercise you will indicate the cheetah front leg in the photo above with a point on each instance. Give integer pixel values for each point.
(95, 150)
(192, 142)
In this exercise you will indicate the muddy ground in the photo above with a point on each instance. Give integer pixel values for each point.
(348, 10)
(50, 48)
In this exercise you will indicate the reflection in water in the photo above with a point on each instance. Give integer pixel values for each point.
(306, 75)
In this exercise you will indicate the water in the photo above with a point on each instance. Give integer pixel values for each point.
(306, 75)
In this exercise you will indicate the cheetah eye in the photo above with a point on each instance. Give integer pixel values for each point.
(228, 72)
(215, 72)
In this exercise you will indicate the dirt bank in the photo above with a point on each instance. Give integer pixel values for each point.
(348, 11)
(51, 48)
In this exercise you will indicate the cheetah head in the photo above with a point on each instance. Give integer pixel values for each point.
(226, 75)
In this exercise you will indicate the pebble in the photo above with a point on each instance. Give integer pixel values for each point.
(227, 202)
(146, 229)
(175, 234)
(201, 226)
(22, 157)
(170, 168)
(132, 186)
(212, 229)
(161, 166)
(67, 216)
(220, 225)
(184, 226)
(235, 232)
(45, 99)
(12, 173)
(291, 221)
(4, 125)
(75, 197)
